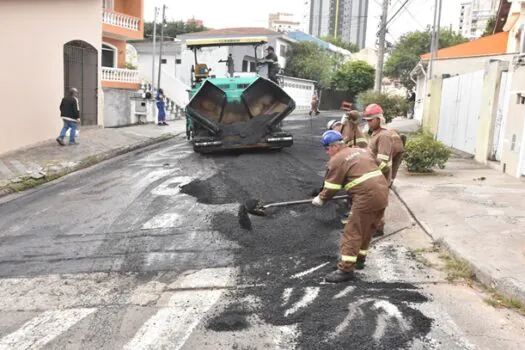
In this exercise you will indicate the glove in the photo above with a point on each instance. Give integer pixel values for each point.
(317, 201)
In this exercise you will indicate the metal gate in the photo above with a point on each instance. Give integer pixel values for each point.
(81, 72)
(501, 117)
(460, 109)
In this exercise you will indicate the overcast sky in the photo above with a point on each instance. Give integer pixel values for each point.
(250, 13)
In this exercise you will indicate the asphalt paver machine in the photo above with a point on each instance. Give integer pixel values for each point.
(238, 111)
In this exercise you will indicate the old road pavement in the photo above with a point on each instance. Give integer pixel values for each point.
(119, 257)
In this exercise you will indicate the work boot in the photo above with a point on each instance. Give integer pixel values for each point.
(339, 276)
(360, 263)
(60, 141)
(379, 232)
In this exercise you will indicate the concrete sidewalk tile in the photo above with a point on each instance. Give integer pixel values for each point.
(480, 221)
(5, 172)
(20, 168)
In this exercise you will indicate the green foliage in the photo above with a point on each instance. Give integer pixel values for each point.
(307, 60)
(491, 25)
(340, 43)
(355, 76)
(130, 66)
(393, 105)
(171, 29)
(423, 152)
(407, 51)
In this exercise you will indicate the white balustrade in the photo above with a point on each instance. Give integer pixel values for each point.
(120, 20)
(120, 75)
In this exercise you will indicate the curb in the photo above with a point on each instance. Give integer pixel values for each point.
(96, 159)
(505, 285)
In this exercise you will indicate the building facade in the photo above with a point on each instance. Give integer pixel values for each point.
(283, 22)
(474, 16)
(344, 19)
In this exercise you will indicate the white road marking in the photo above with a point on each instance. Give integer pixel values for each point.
(206, 278)
(344, 292)
(171, 327)
(309, 296)
(392, 311)
(309, 271)
(287, 293)
(42, 329)
(171, 187)
(167, 220)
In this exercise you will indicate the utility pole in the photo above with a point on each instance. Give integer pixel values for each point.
(154, 53)
(434, 47)
(161, 43)
(381, 48)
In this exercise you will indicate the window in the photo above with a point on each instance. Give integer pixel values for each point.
(282, 50)
(252, 66)
(107, 4)
(244, 66)
(109, 56)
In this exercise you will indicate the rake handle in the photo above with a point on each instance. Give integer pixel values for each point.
(303, 201)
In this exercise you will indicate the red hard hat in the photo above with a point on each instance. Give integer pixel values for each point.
(372, 110)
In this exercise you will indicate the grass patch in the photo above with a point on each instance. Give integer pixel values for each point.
(456, 269)
(501, 301)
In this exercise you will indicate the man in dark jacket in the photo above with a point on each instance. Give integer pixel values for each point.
(70, 113)
(273, 64)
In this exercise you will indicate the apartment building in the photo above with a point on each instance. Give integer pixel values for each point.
(474, 16)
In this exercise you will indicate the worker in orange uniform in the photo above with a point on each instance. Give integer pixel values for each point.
(352, 134)
(386, 145)
(355, 170)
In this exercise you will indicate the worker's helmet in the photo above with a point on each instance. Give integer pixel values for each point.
(331, 136)
(372, 111)
(332, 123)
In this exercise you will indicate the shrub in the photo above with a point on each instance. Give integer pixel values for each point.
(422, 153)
(393, 106)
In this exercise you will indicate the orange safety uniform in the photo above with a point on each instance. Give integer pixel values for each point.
(352, 134)
(356, 170)
(387, 147)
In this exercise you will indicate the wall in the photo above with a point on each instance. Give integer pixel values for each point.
(117, 107)
(514, 135)
(487, 118)
(33, 71)
(465, 65)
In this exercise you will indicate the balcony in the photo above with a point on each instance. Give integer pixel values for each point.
(120, 78)
(121, 26)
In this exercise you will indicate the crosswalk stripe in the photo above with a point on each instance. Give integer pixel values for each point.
(171, 327)
(42, 329)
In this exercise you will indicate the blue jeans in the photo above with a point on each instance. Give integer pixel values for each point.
(72, 132)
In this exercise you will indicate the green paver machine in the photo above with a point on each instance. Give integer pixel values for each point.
(235, 112)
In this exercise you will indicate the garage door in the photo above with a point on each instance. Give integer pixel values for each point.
(460, 109)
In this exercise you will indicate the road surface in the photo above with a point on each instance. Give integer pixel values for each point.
(145, 252)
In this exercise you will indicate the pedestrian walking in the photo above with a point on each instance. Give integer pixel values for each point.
(70, 114)
(386, 145)
(355, 170)
(161, 106)
(314, 106)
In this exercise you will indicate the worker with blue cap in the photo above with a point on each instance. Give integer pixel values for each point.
(355, 170)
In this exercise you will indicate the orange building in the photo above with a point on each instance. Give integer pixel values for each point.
(122, 20)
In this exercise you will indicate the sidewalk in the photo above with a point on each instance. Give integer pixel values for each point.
(47, 161)
(479, 214)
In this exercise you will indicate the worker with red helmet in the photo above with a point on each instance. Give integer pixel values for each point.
(386, 145)
(355, 170)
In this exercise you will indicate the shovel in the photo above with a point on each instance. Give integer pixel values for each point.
(258, 208)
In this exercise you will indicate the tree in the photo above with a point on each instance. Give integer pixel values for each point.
(355, 76)
(307, 60)
(172, 29)
(491, 25)
(406, 52)
(342, 44)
